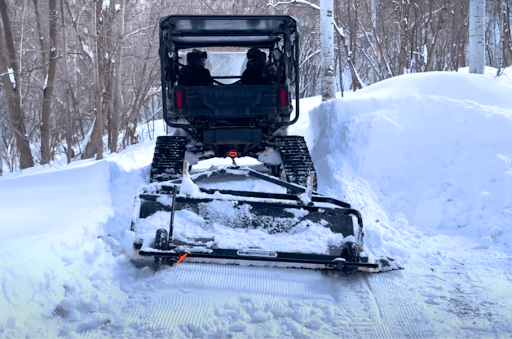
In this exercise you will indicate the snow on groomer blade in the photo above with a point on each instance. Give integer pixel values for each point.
(181, 222)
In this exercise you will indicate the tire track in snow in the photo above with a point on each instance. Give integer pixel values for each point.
(397, 308)
(169, 313)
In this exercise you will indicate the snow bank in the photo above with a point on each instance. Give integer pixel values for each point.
(53, 263)
(434, 150)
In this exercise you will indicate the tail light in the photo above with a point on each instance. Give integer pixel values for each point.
(282, 95)
(179, 99)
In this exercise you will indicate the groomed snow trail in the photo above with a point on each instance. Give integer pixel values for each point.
(212, 301)
(201, 300)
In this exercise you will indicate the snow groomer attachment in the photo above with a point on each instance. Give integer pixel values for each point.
(181, 222)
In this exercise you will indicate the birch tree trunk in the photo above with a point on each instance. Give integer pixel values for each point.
(11, 78)
(49, 85)
(477, 36)
(327, 42)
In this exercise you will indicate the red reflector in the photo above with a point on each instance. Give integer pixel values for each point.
(182, 257)
(179, 99)
(233, 154)
(283, 97)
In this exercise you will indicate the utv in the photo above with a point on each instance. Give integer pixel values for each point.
(236, 120)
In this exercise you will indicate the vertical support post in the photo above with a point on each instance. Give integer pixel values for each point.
(185, 168)
(311, 183)
(173, 208)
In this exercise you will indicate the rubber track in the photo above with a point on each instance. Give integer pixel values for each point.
(296, 160)
(168, 158)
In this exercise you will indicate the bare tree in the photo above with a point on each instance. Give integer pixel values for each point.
(507, 39)
(11, 80)
(49, 85)
(95, 142)
(432, 53)
(459, 34)
(117, 103)
(69, 92)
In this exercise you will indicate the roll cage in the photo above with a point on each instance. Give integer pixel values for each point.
(276, 33)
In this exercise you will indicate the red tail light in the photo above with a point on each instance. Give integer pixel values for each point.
(179, 99)
(282, 95)
(233, 154)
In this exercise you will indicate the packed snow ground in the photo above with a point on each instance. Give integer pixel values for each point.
(425, 158)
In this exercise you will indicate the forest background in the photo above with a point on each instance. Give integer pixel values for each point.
(67, 66)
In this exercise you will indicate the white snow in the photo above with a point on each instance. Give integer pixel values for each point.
(426, 159)
(434, 147)
(86, 49)
(188, 187)
(11, 77)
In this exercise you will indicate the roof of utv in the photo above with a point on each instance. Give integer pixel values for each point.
(226, 30)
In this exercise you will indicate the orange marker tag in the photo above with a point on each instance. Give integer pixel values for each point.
(182, 257)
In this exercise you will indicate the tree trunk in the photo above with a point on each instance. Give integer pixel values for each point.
(117, 106)
(437, 39)
(95, 142)
(477, 36)
(1, 147)
(9, 66)
(106, 67)
(351, 52)
(327, 42)
(500, 44)
(507, 39)
(42, 42)
(69, 129)
(49, 85)
(374, 77)
(403, 12)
